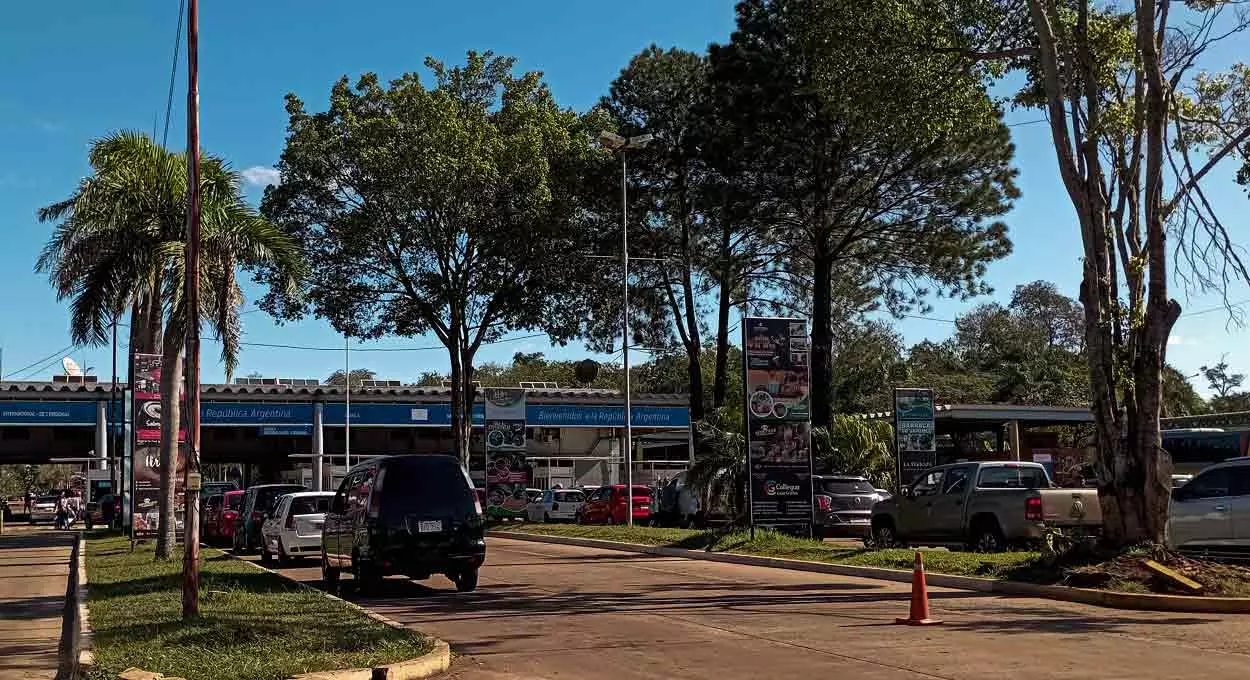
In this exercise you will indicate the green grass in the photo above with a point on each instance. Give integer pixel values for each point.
(1015, 565)
(253, 625)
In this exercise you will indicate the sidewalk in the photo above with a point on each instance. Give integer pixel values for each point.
(34, 570)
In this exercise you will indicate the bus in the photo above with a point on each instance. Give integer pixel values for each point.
(1195, 448)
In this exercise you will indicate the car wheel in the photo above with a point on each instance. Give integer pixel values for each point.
(264, 554)
(546, 518)
(329, 575)
(611, 520)
(883, 535)
(989, 539)
(368, 578)
(283, 558)
(466, 581)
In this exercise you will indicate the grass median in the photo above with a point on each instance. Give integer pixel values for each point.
(1016, 565)
(253, 625)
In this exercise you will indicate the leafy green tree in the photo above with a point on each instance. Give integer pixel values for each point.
(447, 208)
(1136, 130)
(720, 469)
(893, 162)
(1179, 396)
(120, 240)
(358, 377)
(856, 446)
(1221, 380)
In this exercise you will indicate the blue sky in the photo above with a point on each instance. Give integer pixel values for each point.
(73, 74)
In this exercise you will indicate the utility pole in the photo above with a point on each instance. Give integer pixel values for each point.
(191, 543)
(347, 409)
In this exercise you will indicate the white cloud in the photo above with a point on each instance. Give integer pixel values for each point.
(260, 176)
(1176, 340)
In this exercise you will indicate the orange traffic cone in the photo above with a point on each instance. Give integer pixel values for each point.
(919, 597)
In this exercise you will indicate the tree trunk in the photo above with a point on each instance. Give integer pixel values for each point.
(720, 382)
(822, 340)
(458, 412)
(468, 397)
(171, 402)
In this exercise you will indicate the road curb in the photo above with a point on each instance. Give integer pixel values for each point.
(1101, 598)
(74, 657)
(431, 663)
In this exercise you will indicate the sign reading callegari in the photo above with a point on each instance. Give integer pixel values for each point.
(145, 468)
(778, 421)
(507, 473)
(914, 432)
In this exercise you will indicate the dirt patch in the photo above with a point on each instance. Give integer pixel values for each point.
(1128, 573)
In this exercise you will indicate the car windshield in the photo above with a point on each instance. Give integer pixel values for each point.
(427, 485)
(846, 486)
(570, 496)
(310, 505)
(1013, 477)
(234, 502)
(265, 497)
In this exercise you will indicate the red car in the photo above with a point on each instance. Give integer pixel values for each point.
(607, 505)
(220, 514)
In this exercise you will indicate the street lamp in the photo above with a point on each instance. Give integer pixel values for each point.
(618, 144)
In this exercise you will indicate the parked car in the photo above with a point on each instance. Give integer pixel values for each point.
(532, 495)
(608, 505)
(293, 528)
(257, 500)
(986, 506)
(208, 489)
(1180, 480)
(555, 505)
(415, 515)
(1212, 512)
(43, 509)
(843, 505)
(220, 518)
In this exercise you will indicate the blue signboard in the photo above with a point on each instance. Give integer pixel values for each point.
(273, 417)
(285, 431)
(552, 415)
(220, 413)
(47, 413)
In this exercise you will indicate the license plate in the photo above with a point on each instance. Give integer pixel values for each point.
(429, 526)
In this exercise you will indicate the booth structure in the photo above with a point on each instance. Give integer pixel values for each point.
(254, 433)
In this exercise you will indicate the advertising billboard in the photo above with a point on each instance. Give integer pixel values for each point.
(507, 471)
(777, 371)
(914, 433)
(145, 468)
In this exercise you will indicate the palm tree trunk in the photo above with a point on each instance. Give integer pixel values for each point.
(171, 424)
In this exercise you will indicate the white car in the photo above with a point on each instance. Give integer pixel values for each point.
(556, 505)
(293, 529)
(43, 509)
(1212, 511)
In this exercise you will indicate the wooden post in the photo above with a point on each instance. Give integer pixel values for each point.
(191, 552)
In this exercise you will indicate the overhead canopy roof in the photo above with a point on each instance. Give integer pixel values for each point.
(997, 414)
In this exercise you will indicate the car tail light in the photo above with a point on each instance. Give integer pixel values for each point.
(824, 503)
(1033, 509)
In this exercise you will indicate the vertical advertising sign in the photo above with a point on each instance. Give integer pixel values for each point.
(914, 432)
(507, 472)
(145, 468)
(779, 450)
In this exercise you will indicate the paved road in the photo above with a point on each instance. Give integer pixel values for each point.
(34, 568)
(547, 611)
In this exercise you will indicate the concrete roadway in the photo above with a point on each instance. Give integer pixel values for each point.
(547, 611)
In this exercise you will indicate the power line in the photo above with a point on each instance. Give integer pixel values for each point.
(173, 71)
(1027, 122)
(38, 364)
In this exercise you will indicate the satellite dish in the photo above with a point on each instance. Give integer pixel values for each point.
(71, 367)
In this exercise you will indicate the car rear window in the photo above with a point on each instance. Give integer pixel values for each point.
(433, 486)
(234, 502)
(846, 487)
(264, 497)
(1013, 477)
(310, 505)
(570, 496)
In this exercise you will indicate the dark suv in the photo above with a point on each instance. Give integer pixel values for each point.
(256, 502)
(415, 515)
(844, 504)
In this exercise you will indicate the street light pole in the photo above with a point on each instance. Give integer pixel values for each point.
(191, 541)
(347, 410)
(621, 145)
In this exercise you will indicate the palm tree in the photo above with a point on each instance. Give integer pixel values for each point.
(855, 445)
(119, 242)
(720, 469)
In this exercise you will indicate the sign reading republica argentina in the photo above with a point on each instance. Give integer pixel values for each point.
(778, 421)
(914, 432)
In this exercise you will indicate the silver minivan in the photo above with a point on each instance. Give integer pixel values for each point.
(1212, 510)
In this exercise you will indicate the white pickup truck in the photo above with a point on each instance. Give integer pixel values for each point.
(986, 506)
